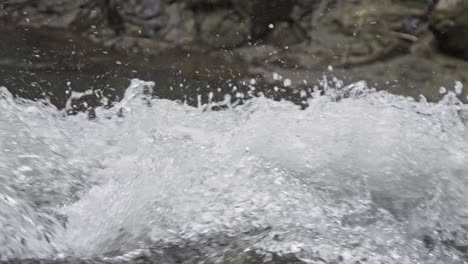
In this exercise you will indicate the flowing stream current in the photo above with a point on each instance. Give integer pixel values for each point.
(358, 177)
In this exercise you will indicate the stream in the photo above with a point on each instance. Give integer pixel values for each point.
(108, 159)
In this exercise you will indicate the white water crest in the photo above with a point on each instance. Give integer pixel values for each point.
(357, 176)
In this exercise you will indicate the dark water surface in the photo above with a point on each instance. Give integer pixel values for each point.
(50, 64)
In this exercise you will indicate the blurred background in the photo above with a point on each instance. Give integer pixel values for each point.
(409, 47)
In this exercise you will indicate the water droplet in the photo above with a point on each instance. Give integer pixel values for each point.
(276, 76)
(458, 87)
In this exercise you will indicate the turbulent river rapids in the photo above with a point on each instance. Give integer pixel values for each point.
(359, 176)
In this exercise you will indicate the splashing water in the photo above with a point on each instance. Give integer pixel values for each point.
(358, 176)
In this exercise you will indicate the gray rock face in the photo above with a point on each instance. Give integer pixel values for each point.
(449, 22)
(53, 13)
(141, 17)
(348, 33)
(179, 24)
(262, 13)
(359, 29)
(224, 29)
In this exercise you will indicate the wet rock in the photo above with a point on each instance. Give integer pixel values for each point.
(350, 33)
(377, 40)
(450, 25)
(224, 29)
(115, 21)
(285, 34)
(53, 13)
(142, 17)
(324, 31)
(206, 4)
(344, 34)
(263, 13)
(179, 24)
(303, 8)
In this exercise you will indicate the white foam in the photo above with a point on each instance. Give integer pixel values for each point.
(373, 167)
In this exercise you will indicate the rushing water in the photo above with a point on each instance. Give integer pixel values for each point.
(357, 176)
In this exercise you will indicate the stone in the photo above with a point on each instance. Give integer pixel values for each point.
(224, 29)
(350, 33)
(53, 14)
(285, 34)
(178, 24)
(142, 17)
(449, 23)
(263, 13)
(207, 3)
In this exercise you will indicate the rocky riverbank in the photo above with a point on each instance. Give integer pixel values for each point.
(409, 47)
